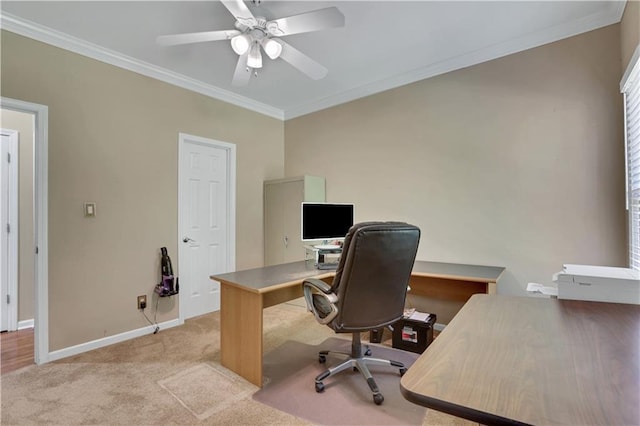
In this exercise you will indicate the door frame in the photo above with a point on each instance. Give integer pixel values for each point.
(13, 235)
(183, 139)
(40, 218)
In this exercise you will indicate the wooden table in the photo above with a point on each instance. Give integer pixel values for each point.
(244, 294)
(522, 360)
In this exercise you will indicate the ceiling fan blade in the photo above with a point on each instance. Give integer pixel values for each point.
(242, 74)
(176, 39)
(241, 12)
(302, 62)
(330, 17)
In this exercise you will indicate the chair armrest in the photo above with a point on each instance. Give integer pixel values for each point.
(317, 293)
(319, 284)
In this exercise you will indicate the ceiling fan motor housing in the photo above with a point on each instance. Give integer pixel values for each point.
(253, 36)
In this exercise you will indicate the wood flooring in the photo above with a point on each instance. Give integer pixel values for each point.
(16, 350)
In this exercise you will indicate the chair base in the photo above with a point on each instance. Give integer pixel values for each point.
(357, 360)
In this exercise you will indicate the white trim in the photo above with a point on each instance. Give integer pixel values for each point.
(633, 70)
(111, 340)
(41, 218)
(35, 31)
(231, 201)
(549, 35)
(59, 39)
(24, 324)
(630, 74)
(13, 236)
(629, 84)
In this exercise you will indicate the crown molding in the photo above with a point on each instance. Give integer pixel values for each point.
(592, 22)
(47, 35)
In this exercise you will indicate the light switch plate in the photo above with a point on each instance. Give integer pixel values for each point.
(90, 209)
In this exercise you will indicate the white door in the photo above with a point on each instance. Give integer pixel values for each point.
(206, 221)
(9, 230)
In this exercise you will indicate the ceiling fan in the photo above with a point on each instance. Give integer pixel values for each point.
(255, 32)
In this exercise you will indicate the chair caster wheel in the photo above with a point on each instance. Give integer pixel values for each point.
(367, 352)
(320, 387)
(378, 398)
(402, 371)
(322, 359)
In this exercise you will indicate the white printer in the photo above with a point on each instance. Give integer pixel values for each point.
(598, 283)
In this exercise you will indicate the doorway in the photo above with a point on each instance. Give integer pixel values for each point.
(206, 221)
(39, 248)
(9, 230)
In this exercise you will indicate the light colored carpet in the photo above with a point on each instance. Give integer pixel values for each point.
(170, 378)
(290, 371)
(205, 390)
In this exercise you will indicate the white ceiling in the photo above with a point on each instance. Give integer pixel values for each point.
(384, 44)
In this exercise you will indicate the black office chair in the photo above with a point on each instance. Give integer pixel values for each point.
(368, 291)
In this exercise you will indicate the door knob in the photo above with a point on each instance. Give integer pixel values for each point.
(187, 239)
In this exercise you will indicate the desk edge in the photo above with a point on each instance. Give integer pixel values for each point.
(458, 277)
(458, 410)
(271, 287)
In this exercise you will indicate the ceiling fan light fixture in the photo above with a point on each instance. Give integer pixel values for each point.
(271, 47)
(254, 60)
(253, 34)
(241, 43)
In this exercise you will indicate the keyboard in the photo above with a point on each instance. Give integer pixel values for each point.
(327, 246)
(328, 266)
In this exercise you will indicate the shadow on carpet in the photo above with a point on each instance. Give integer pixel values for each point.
(289, 373)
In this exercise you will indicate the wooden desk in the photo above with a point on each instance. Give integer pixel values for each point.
(244, 294)
(446, 287)
(521, 360)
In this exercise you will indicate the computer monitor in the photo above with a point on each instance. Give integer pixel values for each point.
(325, 221)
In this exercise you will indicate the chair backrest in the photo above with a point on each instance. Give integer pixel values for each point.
(373, 274)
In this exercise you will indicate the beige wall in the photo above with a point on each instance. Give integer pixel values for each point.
(113, 140)
(23, 123)
(516, 162)
(629, 31)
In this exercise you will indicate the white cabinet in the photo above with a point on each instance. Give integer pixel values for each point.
(282, 200)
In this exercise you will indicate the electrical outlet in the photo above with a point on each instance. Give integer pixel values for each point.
(142, 302)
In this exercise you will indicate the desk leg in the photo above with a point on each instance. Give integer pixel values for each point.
(241, 332)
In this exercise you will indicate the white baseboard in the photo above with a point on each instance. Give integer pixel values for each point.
(101, 343)
(25, 324)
